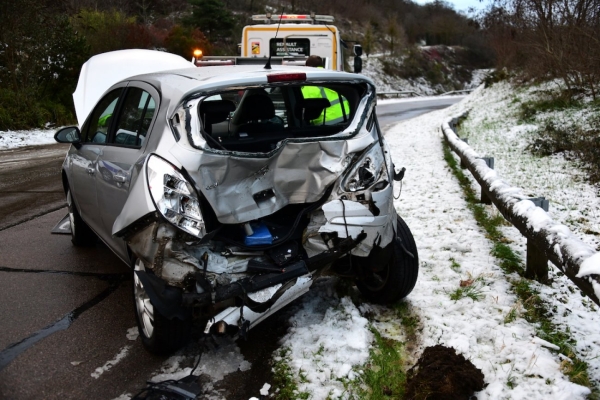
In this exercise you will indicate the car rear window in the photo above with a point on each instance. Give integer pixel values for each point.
(257, 119)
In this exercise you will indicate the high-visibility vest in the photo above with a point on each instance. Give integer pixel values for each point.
(339, 111)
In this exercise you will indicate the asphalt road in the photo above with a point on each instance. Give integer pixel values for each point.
(66, 311)
(390, 113)
(30, 182)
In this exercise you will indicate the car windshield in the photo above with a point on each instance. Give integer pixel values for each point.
(257, 119)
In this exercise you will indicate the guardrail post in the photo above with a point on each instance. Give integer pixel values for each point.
(462, 163)
(489, 161)
(537, 261)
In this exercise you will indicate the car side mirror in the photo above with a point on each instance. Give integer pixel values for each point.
(358, 50)
(69, 134)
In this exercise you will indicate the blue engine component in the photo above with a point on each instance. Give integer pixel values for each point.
(261, 235)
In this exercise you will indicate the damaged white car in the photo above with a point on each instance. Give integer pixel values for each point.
(227, 189)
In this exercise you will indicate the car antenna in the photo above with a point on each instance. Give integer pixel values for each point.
(268, 64)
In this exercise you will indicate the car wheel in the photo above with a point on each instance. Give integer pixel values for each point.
(81, 234)
(159, 334)
(397, 279)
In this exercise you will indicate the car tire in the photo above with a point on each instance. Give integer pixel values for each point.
(81, 234)
(398, 278)
(159, 334)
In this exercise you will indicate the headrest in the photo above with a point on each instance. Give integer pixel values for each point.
(214, 111)
(258, 106)
(309, 109)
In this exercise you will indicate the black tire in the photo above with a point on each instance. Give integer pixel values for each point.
(81, 234)
(159, 334)
(398, 278)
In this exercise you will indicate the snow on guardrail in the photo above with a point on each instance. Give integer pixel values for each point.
(577, 260)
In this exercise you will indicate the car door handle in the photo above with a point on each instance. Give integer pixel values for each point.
(91, 171)
(119, 178)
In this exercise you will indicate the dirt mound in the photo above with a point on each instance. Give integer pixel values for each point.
(442, 374)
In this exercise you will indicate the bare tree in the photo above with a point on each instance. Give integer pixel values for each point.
(549, 39)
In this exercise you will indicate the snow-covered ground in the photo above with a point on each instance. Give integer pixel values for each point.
(329, 341)
(452, 247)
(373, 68)
(13, 139)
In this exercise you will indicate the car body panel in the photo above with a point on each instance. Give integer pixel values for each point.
(82, 167)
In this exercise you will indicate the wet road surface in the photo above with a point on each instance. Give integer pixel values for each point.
(30, 182)
(391, 113)
(66, 311)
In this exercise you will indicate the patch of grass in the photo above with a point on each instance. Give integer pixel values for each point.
(408, 319)
(454, 266)
(548, 103)
(283, 377)
(509, 261)
(471, 288)
(512, 314)
(510, 380)
(383, 377)
(534, 309)
(472, 292)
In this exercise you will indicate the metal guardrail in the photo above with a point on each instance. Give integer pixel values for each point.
(547, 240)
(409, 93)
(456, 92)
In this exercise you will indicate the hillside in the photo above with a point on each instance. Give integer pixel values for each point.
(46, 42)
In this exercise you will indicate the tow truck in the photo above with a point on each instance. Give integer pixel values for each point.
(289, 39)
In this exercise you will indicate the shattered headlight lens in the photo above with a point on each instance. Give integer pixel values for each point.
(365, 172)
(174, 196)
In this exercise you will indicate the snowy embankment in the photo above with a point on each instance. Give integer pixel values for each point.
(452, 248)
(373, 68)
(13, 139)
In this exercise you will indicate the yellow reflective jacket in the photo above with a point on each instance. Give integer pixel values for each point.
(337, 112)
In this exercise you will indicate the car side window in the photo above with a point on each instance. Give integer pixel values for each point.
(96, 128)
(134, 120)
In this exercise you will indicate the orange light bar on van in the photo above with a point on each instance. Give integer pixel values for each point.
(286, 77)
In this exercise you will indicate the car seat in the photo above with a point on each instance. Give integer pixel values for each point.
(215, 111)
(254, 116)
(309, 109)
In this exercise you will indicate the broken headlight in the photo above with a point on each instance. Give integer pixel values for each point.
(365, 172)
(174, 197)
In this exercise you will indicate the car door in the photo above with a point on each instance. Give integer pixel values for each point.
(83, 159)
(124, 149)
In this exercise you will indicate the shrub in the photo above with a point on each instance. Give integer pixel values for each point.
(24, 111)
(582, 144)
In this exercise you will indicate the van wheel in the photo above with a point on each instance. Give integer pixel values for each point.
(398, 278)
(81, 234)
(159, 334)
